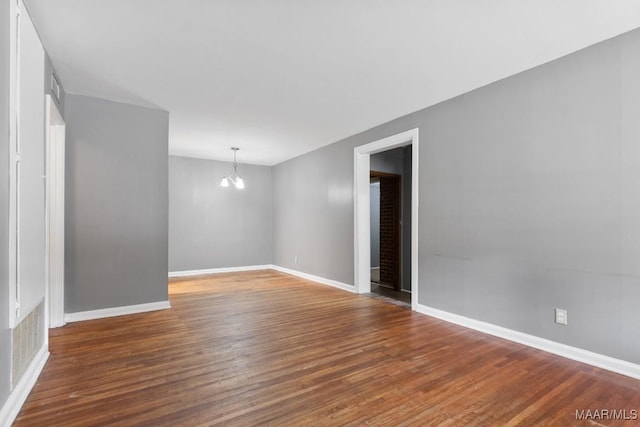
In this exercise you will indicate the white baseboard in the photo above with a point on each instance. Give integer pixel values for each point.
(605, 362)
(115, 311)
(218, 270)
(318, 279)
(18, 396)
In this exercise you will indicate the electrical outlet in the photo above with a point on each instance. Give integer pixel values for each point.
(295, 259)
(561, 316)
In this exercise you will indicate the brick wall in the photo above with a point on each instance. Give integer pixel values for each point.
(389, 236)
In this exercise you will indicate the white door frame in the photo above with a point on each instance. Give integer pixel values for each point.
(55, 149)
(361, 211)
(14, 158)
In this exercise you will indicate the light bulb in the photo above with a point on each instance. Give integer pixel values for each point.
(239, 183)
(224, 182)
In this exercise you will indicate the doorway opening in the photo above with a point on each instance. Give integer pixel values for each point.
(365, 160)
(390, 215)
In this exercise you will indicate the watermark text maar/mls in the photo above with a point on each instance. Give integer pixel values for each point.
(607, 414)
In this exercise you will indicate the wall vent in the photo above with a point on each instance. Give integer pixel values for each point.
(27, 338)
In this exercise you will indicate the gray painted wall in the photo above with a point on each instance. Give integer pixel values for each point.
(5, 333)
(313, 213)
(116, 215)
(528, 201)
(213, 227)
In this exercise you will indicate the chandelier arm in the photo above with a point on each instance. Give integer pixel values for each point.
(236, 180)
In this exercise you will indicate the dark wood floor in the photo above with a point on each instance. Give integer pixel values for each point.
(387, 292)
(265, 348)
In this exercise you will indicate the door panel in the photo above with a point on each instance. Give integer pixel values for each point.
(31, 168)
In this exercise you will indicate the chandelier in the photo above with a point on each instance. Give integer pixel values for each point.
(235, 178)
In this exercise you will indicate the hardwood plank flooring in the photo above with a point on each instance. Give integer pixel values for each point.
(266, 348)
(383, 291)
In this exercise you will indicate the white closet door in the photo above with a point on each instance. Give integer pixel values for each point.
(31, 168)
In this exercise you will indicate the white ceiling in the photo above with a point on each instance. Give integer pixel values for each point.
(279, 78)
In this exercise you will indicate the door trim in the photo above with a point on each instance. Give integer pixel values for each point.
(362, 220)
(14, 157)
(55, 170)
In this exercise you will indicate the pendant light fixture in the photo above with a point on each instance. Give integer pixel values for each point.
(235, 178)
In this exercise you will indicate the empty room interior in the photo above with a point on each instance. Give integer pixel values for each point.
(319, 213)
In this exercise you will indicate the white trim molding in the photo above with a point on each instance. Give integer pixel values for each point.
(590, 358)
(361, 209)
(218, 270)
(317, 279)
(18, 396)
(54, 195)
(116, 311)
(14, 120)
